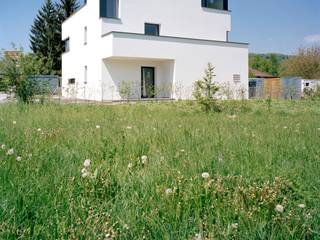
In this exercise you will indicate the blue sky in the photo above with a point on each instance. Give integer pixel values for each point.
(279, 26)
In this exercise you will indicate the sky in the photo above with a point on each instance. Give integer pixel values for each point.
(277, 26)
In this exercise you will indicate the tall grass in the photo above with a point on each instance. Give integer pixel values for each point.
(256, 159)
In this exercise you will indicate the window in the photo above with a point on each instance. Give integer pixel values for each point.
(151, 29)
(109, 8)
(236, 78)
(215, 4)
(66, 47)
(71, 81)
(85, 74)
(85, 35)
(307, 84)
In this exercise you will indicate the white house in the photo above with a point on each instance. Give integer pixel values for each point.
(149, 48)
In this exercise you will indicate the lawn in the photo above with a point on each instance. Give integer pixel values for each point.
(160, 171)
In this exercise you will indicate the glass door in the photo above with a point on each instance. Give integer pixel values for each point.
(147, 82)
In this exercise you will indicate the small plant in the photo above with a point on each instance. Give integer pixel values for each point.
(205, 90)
(125, 90)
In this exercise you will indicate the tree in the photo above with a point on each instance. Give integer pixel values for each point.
(306, 64)
(45, 37)
(67, 8)
(205, 90)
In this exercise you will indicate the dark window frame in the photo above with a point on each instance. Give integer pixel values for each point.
(152, 25)
(66, 48)
(205, 4)
(104, 11)
(71, 81)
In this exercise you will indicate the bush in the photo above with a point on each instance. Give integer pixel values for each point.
(205, 90)
(311, 93)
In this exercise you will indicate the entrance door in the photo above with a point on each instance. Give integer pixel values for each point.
(147, 82)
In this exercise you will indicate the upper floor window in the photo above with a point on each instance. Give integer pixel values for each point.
(151, 29)
(215, 4)
(109, 8)
(66, 47)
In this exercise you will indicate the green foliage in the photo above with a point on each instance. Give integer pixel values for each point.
(17, 71)
(126, 89)
(205, 90)
(255, 161)
(45, 35)
(305, 65)
(312, 94)
(267, 63)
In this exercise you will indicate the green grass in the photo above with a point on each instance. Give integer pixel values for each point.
(256, 159)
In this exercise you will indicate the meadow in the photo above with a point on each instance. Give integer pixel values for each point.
(160, 171)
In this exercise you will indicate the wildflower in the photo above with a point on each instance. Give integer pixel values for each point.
(85, 174)
(98, 127)
(87, 163)
(10, 151)
(130, 166)
(129, 127)
(279, 208)
(39, 129)
(144, 159)
(169, 191)
(3, 146)
(14, 122)
(232, 117)
(302, 206)
(205, 175)
(182, 150)
(234, 226)
(19, 159)
(285, 127)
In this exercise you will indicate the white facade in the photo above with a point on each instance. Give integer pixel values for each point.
(113, 59)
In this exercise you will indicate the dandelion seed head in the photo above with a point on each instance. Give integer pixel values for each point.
(19, 159)
(144, 159)
(169, 191)
(10, 151)
(87, 163)
(3, 146)
(205, 175)
(279, 208)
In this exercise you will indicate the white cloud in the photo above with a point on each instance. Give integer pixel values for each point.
(312, 38)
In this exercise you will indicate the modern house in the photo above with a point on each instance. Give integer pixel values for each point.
(144, 49)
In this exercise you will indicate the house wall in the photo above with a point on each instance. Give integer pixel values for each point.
(176, 18)
(191, 59)
(117, 72)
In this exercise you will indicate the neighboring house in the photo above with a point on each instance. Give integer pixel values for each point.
(310, 84)
(149, 48)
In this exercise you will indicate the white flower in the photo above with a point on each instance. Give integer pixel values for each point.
(169, 191)
(85, 174)
(279, 208)
(19, 159)
(129, 127)
(84, 170)
(234, 225)
(285, 127)
(182, 150)
(144, 159)
(14, 122)
(205, 175)
(3, 146)
(87, 163)
(10, 151)
(130, 165)
(302, 206)
(39, 130)
(98, 127)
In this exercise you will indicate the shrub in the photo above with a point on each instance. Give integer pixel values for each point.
(311, 93)
(205, 90)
